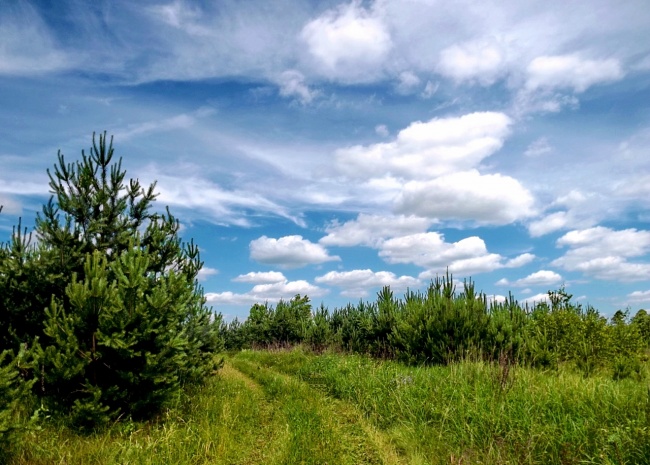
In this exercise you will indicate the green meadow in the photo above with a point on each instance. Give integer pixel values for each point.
(297, 407)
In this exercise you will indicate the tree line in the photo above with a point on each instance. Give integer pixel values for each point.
(444, 324)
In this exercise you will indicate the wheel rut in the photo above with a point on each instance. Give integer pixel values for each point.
(332, 423)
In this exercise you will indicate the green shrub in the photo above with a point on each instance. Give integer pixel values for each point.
(14, 391)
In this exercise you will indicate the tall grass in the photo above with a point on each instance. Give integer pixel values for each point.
(225, 422)
(294, 407)
(468, 412)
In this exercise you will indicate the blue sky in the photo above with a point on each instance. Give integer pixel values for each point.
(330, 148)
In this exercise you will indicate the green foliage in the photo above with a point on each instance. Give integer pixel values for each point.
(14, 390)
(441, 326)
(642, 322)
(110, 294)
(26, 286)
(506, 330)
(319, 334)
(290, 320)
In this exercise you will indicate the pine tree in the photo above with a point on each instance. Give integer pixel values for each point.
(120, 316)
(14, 390)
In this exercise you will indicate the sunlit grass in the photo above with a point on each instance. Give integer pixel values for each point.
(468, 412)
(298, 408)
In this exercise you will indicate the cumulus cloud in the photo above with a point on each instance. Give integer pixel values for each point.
(206, 272)
(372, 230)
(357, 283)
(428, 149)
(289, 252)
(536, 299)
(638, 297)
(539, 278)
(468, 195)
(603, 253)
(268, 292)
(570, 72)
(348, 43)
(430, 250)
(429, 170)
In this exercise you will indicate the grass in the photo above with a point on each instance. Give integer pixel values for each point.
(293, 407)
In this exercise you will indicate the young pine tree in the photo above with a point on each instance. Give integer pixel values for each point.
(126, 323)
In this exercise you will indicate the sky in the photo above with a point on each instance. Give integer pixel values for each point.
(331, 148)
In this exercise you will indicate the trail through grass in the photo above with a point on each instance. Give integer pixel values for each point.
(470, 413)
(298, 408)
(323, 429)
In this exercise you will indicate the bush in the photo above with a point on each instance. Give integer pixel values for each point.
(14, 390)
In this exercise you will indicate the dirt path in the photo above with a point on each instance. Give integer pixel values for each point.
(321, 429)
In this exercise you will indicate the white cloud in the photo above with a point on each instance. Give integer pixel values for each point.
(230, 298)
(603, 253)
(539, 278)
(372, 230)
(538, 147)
(288, 252)
(433, 148)
(536, 299)
(495, 298)
(430, 250)
(270, 292)
(579, 210)
(408, 83)
(206, 272)
(474, 61)
(357, 283)
(261, 277)
(639, 297)
(292, 84)
(551, 222)
(467, 195)
(571, 72)
(349, 43)
(287, 289)
(520, 260)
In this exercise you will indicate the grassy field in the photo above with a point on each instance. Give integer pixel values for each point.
(298, 408)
